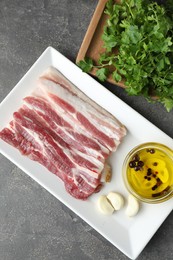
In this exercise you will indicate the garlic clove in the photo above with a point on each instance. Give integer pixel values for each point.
(116, 200)
(104, 206)
(132, 207)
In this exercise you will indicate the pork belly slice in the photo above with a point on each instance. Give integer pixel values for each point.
(31, 120)
(77, 186)
(71, 134)
(64, 130)
(17, 140)
(84, 115)
(71, 166)
(56, 76)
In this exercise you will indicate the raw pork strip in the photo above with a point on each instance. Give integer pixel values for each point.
(64, 130)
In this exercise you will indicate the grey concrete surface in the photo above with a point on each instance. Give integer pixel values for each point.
(33, 224)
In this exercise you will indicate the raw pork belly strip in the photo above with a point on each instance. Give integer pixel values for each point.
(64, 130)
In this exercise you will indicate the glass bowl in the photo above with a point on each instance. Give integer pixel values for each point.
(148, 172)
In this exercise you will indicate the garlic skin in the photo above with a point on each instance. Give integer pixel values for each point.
(132, 207)
(104, 205)
(116, 200)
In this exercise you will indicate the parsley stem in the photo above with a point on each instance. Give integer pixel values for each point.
(130, 10)
(101, 66)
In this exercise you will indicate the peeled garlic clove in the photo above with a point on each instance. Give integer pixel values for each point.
(132, 207)
(116, 200)
(104, 206)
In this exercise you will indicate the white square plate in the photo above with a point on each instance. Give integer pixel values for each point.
(130, 235)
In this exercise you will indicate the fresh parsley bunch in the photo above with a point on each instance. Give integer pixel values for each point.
(138, 44)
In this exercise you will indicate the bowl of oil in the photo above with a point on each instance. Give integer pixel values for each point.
(148, 172)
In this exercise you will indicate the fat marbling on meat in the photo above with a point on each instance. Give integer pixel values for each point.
(64, 130)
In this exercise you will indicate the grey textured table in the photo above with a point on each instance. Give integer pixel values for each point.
(33, 224)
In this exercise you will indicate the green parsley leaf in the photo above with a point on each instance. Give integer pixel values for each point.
(138, 46)
(168, 103)
(86, 65)
(102, 73)
(116, 76)
(110, 41)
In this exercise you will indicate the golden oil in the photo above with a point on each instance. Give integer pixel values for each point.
(149, 172)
